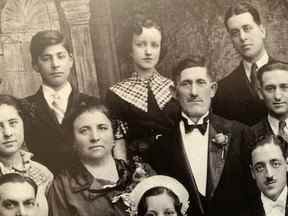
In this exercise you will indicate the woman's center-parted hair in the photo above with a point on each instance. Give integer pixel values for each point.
(87, 107)
(13, 102)
(136, 26)
(142, 207)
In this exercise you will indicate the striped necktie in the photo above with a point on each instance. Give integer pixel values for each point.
(56, 107)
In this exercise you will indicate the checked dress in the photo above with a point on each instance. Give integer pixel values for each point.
(147, 108)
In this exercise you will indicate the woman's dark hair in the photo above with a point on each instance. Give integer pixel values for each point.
(43, 39)
(142, 206)
(11, 101)
(87, 106)
(136, 28)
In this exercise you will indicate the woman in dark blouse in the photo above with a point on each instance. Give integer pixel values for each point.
(143, 101)
(96, 183)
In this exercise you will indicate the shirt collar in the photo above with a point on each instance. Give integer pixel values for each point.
(261, 62)
(19, 168)
(268, 204)
(190, 122)
(274, 124)
(63, 93)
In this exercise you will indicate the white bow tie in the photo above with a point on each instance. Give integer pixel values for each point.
(274, 208)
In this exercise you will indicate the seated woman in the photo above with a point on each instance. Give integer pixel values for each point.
(159, 195)
(93, 185)
(15, 160)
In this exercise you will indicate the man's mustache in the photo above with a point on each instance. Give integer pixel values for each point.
(270, 180)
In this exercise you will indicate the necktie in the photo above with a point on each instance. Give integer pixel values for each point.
(59, 112)
(282, 132)
(253, 76)
(201, 127)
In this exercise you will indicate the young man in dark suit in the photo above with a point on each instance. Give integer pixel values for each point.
(237, 97)
(207, 153)
(46, 111)
(269, 169)
(273, 89)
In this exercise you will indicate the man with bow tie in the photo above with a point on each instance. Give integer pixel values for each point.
(269, 168)
(207, 153)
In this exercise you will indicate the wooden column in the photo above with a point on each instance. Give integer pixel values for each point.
(77, 14)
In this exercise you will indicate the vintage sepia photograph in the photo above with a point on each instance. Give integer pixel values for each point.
(143, 107)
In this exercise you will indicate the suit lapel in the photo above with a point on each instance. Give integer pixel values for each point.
(217, 154)
(73, 101)
(258, 209)
(43, 111)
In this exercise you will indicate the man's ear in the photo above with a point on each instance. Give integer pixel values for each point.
(214, 87)
(172, 89)
(263, 30)
(259, 93)
(252, 171)
(35, 67)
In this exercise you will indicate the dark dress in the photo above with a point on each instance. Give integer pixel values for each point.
(148, 109)
(76, 192)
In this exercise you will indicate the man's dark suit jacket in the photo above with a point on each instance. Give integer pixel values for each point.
(229, 179)
(262, 128)
(44, 136)
(256, 208)
(237, 100)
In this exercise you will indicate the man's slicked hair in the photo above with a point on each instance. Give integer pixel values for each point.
(269, 139)
(271, 67)
(240, 8)
(17, 178)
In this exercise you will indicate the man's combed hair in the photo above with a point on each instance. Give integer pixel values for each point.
(268, 139)
(240, 8)
(189, 62)
(270, 67)
(17, 178)
(43, 39)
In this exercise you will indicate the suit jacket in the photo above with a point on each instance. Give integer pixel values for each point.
(237, 100)
(256, 208)
(44, 136)
(229, 183)
(262, 128)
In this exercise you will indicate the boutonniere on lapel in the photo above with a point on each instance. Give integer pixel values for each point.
(221, 141)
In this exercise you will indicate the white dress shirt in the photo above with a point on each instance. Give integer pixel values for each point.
(63, 94)
(196, 148)
(247, 65)
(274, 124)
(275, 208)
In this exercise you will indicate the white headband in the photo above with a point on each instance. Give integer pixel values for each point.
(159, 181)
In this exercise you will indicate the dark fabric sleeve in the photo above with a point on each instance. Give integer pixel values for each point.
(58, 205)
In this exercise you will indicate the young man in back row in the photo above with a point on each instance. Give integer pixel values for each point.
(46, 111)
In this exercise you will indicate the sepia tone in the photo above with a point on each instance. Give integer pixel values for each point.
(97, 31)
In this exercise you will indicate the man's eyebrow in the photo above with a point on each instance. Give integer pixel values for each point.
(10, 200)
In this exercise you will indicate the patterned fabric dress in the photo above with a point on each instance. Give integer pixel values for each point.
(36, 171)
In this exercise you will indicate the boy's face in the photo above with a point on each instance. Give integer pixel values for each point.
(54, 66)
